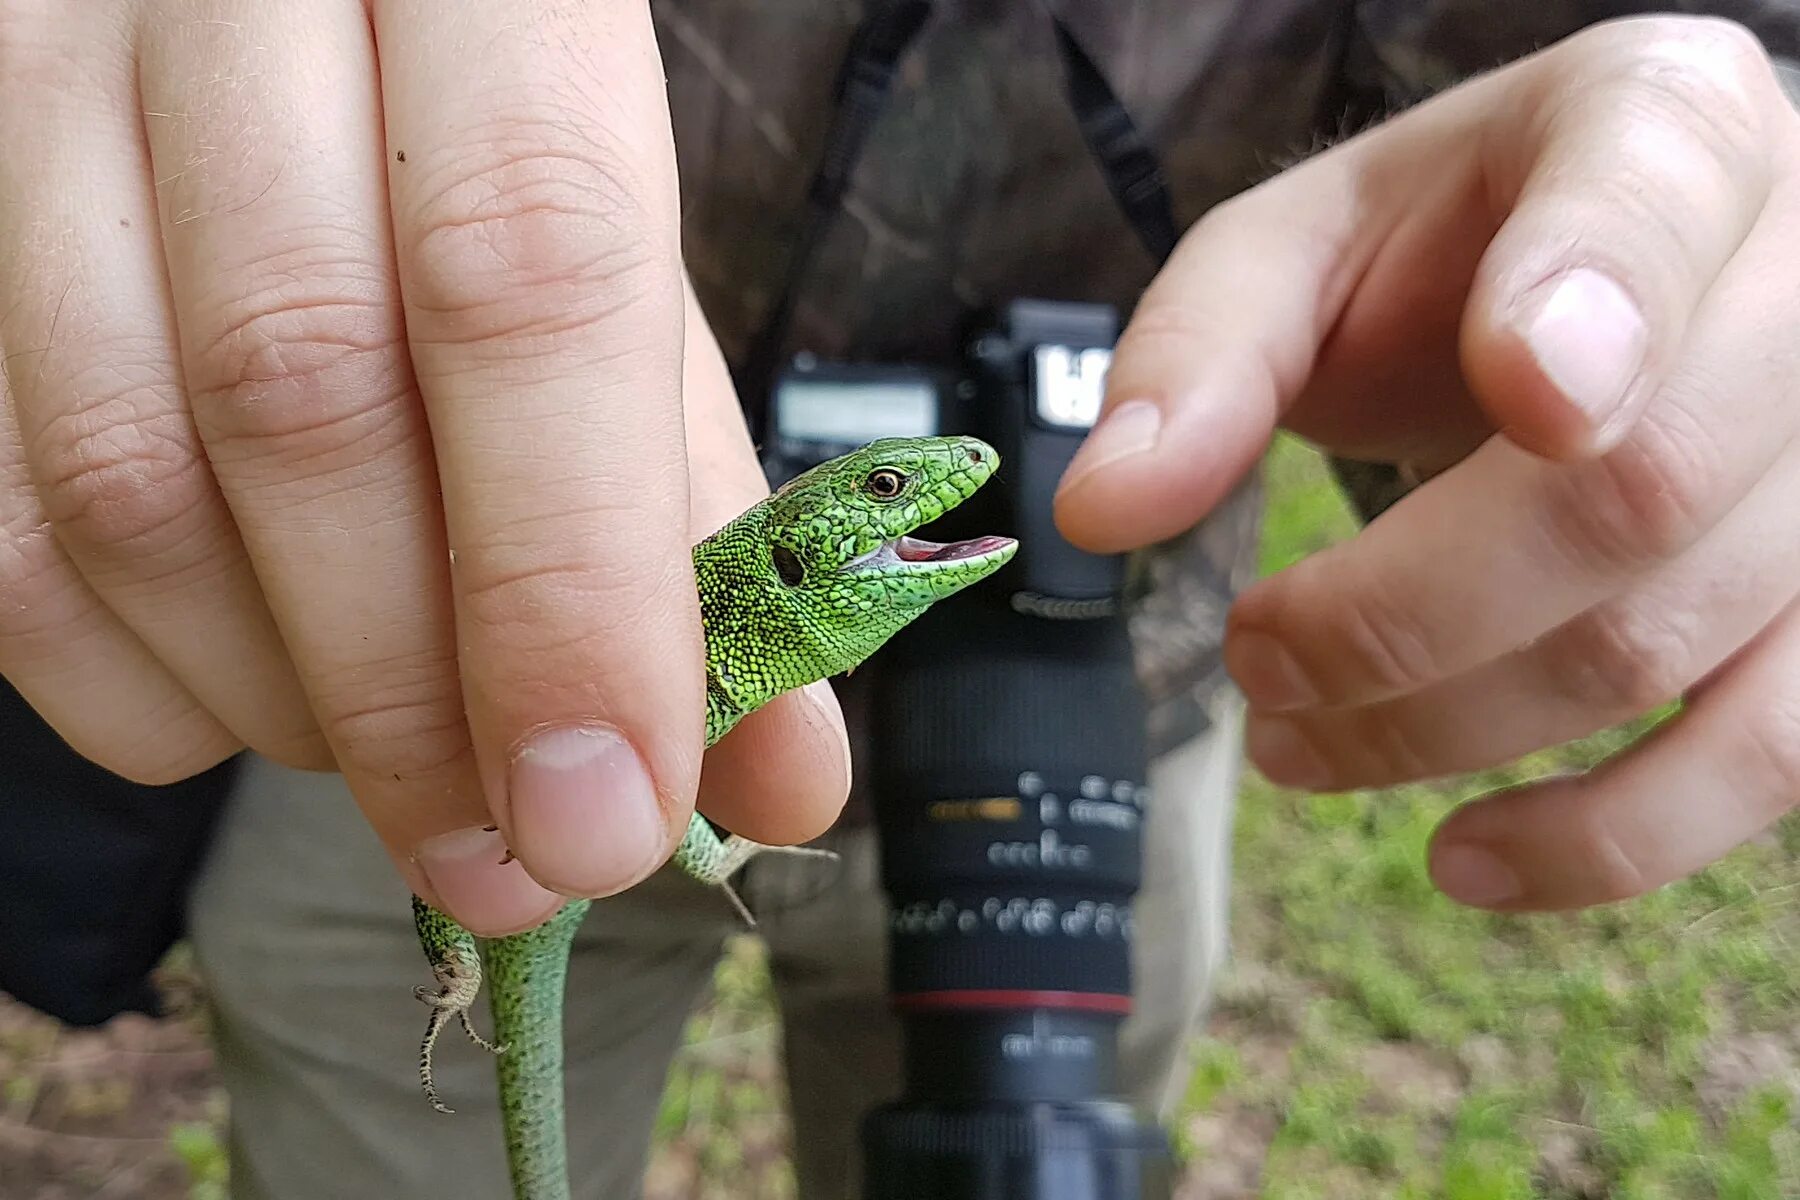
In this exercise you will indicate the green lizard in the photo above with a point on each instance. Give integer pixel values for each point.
(806, 584)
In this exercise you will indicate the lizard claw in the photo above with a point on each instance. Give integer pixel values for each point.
(737, 902)
(440, 1013)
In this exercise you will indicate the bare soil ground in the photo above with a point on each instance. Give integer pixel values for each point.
(105, 1114)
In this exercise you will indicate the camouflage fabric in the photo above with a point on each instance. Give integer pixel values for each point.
(975, 187)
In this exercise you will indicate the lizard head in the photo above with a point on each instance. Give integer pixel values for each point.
(840, 534)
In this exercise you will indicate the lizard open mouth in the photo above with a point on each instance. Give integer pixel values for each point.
(912, 549)
(905, 549)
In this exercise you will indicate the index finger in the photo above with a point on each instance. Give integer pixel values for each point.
(533, 181)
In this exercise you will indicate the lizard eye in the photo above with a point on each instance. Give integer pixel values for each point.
(886, 483)
(788, 566)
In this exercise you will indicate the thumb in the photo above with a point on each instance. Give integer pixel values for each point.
(1224, 340)
(1217, 349)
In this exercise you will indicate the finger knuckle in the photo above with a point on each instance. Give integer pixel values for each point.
(538, 232)
(1609, 872)
(1623, 659)
(154, 738)
(1386, 749)
(1773, 752)
(122, 471)
(1171, 332)
(305, 363)
(171, 751)
(1154, 324)
(1643, 502)
(410, 731)
(1707, 77)
(1635, 194)
(37, 595)
(1384, 640)
(555, 619)
(1725, 46)
(306, 750)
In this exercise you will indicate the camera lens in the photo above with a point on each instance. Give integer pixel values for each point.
(1009, 784)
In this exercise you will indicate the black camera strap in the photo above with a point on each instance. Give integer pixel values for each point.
(864, 79)
(1132, 170)
(1126, 160)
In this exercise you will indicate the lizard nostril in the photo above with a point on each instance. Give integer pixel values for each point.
(974, 455)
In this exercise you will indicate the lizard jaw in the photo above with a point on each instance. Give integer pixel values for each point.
(913, 553)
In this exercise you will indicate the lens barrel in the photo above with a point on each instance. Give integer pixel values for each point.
(1009, 777)
(1094, 1150)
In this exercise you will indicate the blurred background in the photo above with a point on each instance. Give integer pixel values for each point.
(1371, 1039)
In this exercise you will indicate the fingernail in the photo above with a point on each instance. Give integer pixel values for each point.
(585, 814)
(1282, 753)
(1267, 674)
(1125, 432)
(463, 868)
(1474, 876)
(1589, 340)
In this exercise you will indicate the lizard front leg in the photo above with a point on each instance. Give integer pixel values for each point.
(713, 858)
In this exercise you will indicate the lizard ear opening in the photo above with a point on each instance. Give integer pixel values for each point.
(788, 566)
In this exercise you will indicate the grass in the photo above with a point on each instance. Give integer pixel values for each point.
(197, 1144)
(1409, 1047)
(722, 1127)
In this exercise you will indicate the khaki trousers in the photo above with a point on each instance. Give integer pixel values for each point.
(303, 934)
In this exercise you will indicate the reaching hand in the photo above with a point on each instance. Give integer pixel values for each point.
(342, 418)
(1566, 291)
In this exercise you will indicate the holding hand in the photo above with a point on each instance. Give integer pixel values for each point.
(1566, 291)
(342, 418)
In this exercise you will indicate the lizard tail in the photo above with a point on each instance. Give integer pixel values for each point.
(525, 976)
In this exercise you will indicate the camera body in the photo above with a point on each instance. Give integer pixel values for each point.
(1030, 384)
(1008, 767)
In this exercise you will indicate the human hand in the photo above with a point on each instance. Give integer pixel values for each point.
(342, 419)
(1566, 291)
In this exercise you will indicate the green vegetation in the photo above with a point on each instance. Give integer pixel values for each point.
(196, 1144)
(1408, 1047)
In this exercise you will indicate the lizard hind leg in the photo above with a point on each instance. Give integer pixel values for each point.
(456, 965)
(469, 1029)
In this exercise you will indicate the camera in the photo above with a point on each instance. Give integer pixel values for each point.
(1008, 768)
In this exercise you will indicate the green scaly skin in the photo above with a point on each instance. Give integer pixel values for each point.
(806, 584)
